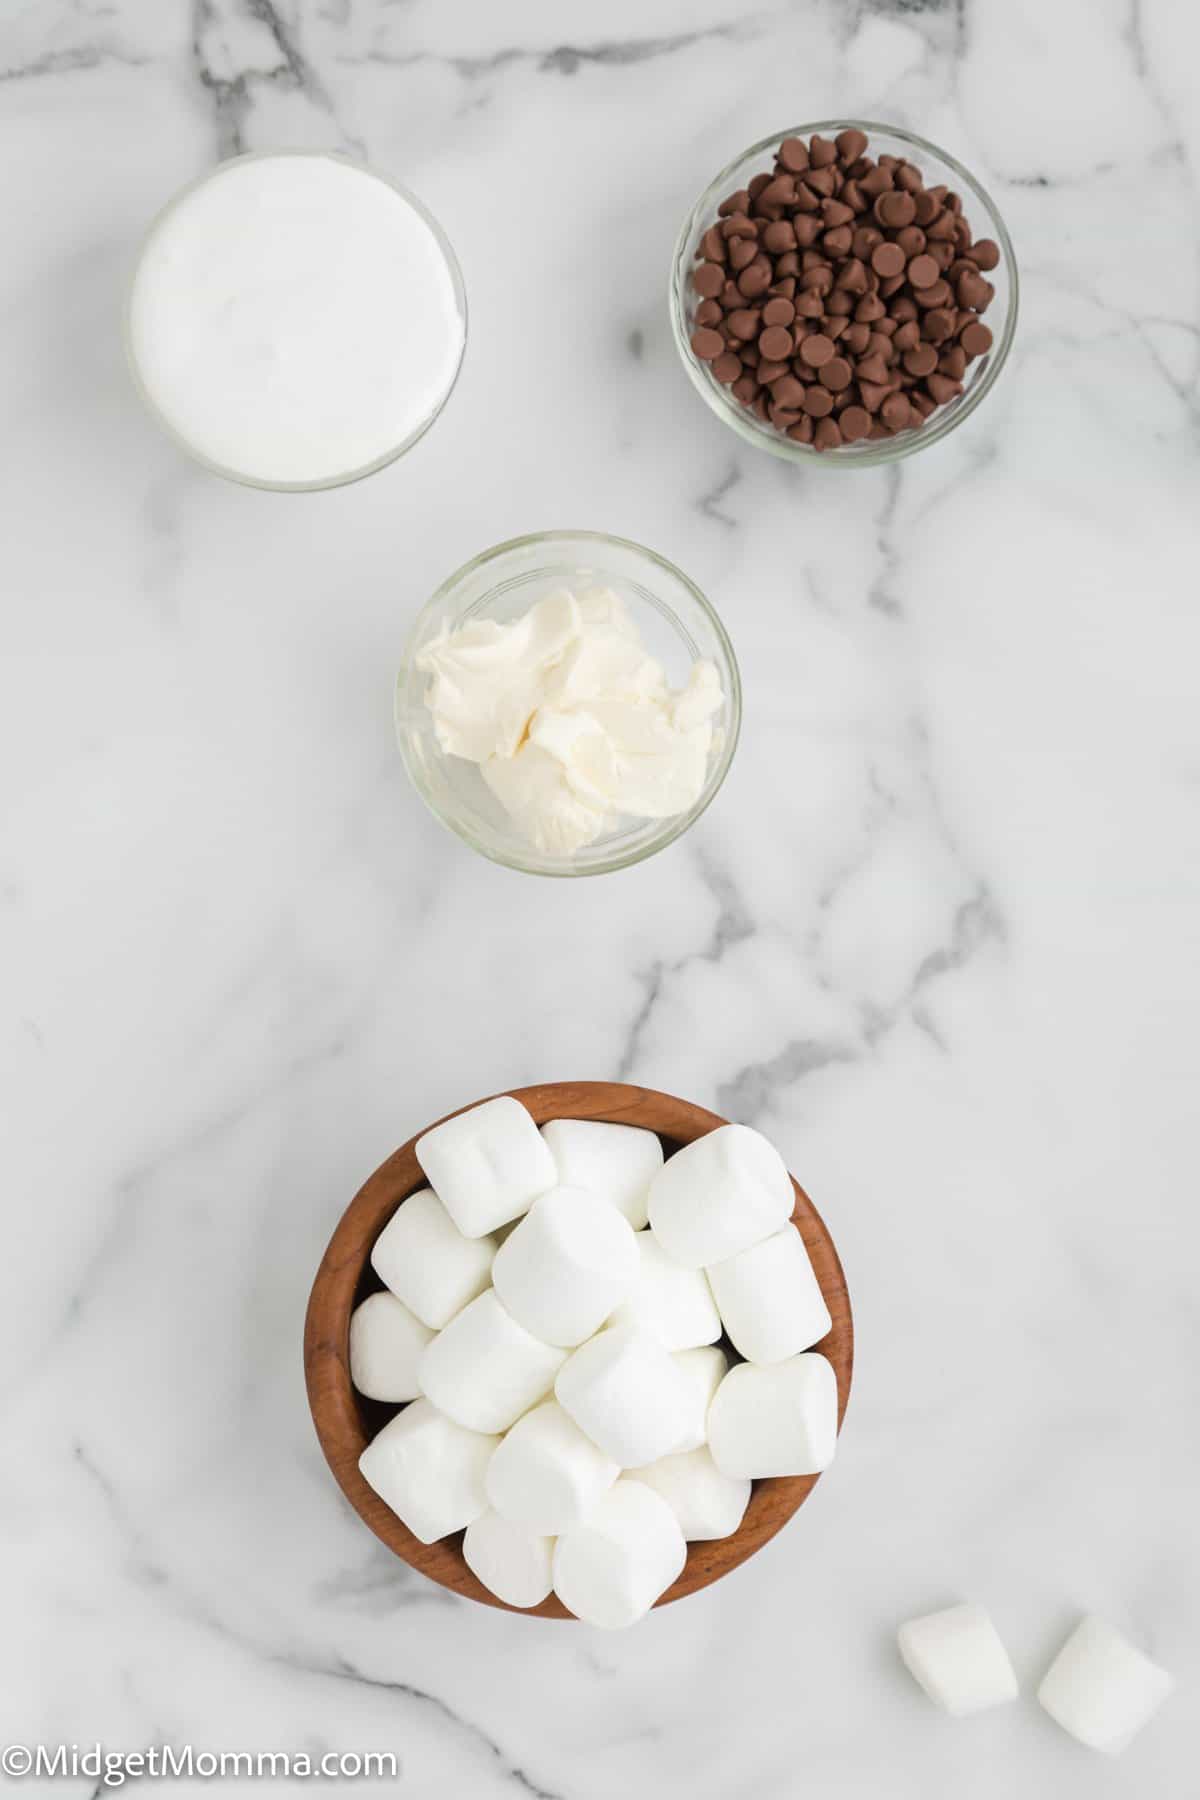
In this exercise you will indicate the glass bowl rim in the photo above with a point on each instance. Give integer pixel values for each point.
(671, 828)
(210, 463)
(743, 422)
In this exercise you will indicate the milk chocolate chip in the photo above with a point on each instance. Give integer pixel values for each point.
(837, 297)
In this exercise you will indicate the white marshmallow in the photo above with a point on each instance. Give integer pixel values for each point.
(386, 1343)
(769, 1300)
(610, 1570)
(428, 1470)
(719, 1195)
(776, 1421)
(706, 1503)
(674, 1304)
(427, 1262)
(487, 1165)
(957, 1657)
(485, 1370)
(616, 1162)
(569, 1262)
(704, 1369)
(1101, 1689)
(512, 1563)
(546, 1475)
(628, 1395)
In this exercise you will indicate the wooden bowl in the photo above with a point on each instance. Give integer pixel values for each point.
(346, 1422)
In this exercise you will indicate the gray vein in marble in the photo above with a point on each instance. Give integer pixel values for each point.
(748, 1094)
(336, 1668)
(340, 1669)
(566, 59)
(709, 504)
(78, 56)
(214, 23)
(734, 923)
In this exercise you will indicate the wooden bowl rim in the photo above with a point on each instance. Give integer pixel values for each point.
(335, 1406)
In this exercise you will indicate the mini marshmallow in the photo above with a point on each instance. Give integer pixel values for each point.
(780, 1420)
(386, 1343)
(428, 1470)
(610, 1570)
(719, 1195)
(512, 1563)
(616, 1162)
(706, 1503)
(674, 1304)
(628, 1395)
(769, 1300)
(704, 1369)
(546, 1475)
(487, 1165)
(569, 1262)
(427, 1262)
(485, 1369)
(957, 1657)
(1101, 1688)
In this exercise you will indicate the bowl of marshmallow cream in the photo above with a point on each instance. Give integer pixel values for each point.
(568, 703)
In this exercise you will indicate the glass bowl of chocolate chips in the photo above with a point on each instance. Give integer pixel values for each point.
(844, 293)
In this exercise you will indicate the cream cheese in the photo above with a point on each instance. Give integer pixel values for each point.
(570, 719)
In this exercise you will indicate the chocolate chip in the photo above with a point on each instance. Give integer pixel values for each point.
(976, 340)
(922, 272)
(776, 343)
(707, 343)
(895, 210)
(887, 260)
(816, 351)
(895, 412)
(836, 374)
(837, 298)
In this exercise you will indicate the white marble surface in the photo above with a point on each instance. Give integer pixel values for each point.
(939, 936)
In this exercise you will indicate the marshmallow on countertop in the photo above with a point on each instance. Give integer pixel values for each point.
(616, 1162)
(484, 1370)
(546, 1475)
(487, 1166)
(429, 1470)
(628, 1395)
(572, 1259)
(706, 1503)
(957, 1657)
(425, 1260)
(704, 1369)
(718, 1195)
(780, 1420)
(674, 1304)
(1101, 1688)
(769, 1299)
(512, 1562)
(386, 1345)
(611, 1569)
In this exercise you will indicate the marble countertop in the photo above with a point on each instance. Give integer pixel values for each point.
(939, 936)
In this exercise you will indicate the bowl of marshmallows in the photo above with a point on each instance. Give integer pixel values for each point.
(579, 1350)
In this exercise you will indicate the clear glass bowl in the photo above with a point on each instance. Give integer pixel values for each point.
(677, 625)
(342, 479)
(937, 167)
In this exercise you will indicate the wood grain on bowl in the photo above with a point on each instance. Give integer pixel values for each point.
(346, 1422)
